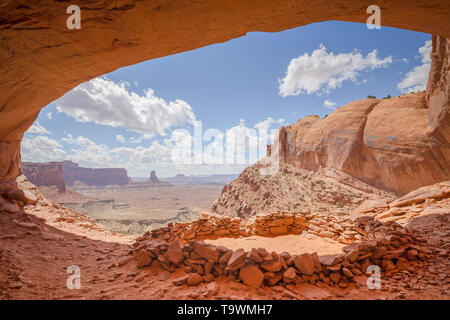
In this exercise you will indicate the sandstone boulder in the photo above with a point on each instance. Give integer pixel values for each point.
(237, 257)
(194, 279)
(9, 207)
(206, 251)
(143, 259)
(181, 280)
(331, 259)
(436, 191)
(174, 253)
(289, 275)
(273, 266)
(305, 263)
(369, 206)
(252, 276)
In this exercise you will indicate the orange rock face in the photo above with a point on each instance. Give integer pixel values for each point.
(438, 95)
(45, 174)
(41, 59)
(387, 143)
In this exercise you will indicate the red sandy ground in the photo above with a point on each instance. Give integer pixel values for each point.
(32, 267)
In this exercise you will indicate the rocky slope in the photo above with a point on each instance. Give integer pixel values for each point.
(293, 189)
(425, 201)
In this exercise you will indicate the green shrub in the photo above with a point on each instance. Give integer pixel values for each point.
(323, 185)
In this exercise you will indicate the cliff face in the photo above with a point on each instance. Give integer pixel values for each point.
(397, 144)
(438, 87)
(45, 174)
(387, 143)
(93, 177)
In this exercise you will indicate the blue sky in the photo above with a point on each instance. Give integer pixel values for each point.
(226, 85)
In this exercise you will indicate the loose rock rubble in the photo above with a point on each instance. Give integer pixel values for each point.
(434, 199)
(388, 245)
(413, 259)
(213, 226)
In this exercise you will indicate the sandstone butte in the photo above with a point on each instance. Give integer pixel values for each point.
(45, 174)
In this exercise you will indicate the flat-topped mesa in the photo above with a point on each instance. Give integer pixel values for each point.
(72, 172)
(45, 174)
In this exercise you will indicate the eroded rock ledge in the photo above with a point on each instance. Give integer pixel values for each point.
(42, 59)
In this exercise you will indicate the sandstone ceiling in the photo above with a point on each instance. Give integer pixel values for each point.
(40, 59)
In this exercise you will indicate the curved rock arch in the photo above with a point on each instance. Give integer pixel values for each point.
(41, 59)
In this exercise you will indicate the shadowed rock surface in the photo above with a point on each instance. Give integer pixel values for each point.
(42, 59)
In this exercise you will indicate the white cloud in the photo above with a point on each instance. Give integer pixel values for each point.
(266, 124)
(87, 152)
(41, 149)
(120, 138)
(329, 104)
(323, 71)
(109, 103)
(135, 140)
(170, 155)
(416, 79)
(49, 116)
(405, 60)
(37, 129)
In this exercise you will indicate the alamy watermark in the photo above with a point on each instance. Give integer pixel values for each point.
(237, 146)
(74, 280)
(374, 281)
(374, 20)
(74, 20)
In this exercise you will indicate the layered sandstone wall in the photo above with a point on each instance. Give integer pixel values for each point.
(45, 174)
(93, 176)
(41, 59)
(64, 173)
(396, 144)
(438, 89)
(213, 226)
